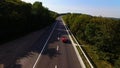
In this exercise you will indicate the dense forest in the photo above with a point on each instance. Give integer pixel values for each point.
(18, 18)
(100, 32)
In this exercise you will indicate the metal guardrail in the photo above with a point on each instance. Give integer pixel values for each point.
(79, 46)
(76, 51)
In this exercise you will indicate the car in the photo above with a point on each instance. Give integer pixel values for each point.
(64, 39)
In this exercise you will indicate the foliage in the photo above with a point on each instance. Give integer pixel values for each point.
(101, 32)
(18, 17)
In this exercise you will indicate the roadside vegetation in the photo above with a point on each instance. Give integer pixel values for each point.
(19, 18)
(83, 58)
(100, 35)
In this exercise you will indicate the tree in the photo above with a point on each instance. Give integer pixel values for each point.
(19, 18)
(103, 33)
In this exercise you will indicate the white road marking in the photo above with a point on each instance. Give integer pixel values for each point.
(57, 48)
(79, 57)
(44, 46)
(58, 38)
(55, 66)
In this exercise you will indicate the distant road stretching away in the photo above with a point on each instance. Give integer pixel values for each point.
(40, 49)
(57, 54)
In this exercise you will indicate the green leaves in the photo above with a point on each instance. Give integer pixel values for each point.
(17, 17)
(101, 32)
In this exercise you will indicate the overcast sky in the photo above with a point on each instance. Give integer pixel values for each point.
(106, 8)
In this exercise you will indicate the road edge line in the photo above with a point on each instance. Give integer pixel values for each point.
(44, 46)
(77, 53)
(81, 49)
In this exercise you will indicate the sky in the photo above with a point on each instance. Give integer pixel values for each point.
(105, 8)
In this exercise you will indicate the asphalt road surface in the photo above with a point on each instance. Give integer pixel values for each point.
(57, 54)
(40, 49)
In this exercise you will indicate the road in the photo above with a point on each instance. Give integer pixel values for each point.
(57, 54)
(40, 49)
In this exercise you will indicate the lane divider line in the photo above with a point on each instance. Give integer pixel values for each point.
(58, 38)
(57, 48)
(55, 66)
(44, 45)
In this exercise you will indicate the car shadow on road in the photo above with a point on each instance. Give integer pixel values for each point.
(68, 42)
